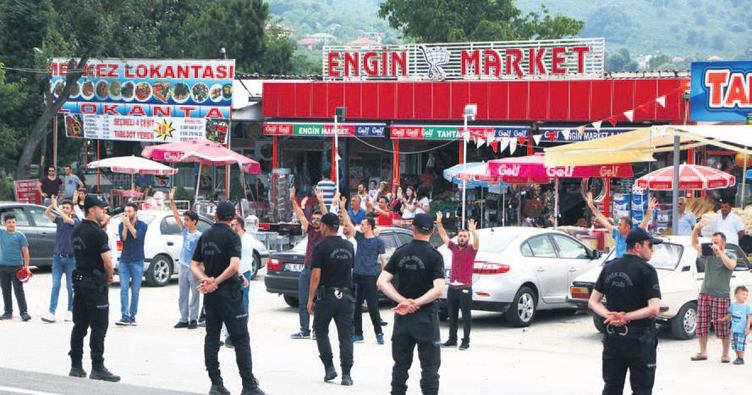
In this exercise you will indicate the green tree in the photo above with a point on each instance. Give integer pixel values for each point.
(473, 20)
(620, 61)
(14, 99)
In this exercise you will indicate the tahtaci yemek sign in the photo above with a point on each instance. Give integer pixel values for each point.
(721, 91)
(576, 58)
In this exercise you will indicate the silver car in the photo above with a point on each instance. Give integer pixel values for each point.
(38, 229)
(520, 270)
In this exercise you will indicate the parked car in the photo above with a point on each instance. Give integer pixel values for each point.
(163, 243)
(38, 229)
(680, 275)
(283, 268)
(519, 271)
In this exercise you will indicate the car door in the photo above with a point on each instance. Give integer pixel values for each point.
(171, 238)
(390, 243)
(45, 231)
(36, 237)
(574, 256)
(541, 256)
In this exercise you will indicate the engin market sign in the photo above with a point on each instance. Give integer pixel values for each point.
(515, 60)
(721, 91)
(148, 100)
(324, 129)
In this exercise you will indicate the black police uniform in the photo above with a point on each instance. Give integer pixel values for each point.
(627, 284)
(415, 265)
(91, 306)
(215, 248)
(334, 300)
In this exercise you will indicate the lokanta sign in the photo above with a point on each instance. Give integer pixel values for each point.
(324, 129)
(148, 100)
(565, 58)
(721, 91)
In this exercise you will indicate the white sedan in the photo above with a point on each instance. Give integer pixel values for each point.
(680, 275)
(520, 270)
(164, 241)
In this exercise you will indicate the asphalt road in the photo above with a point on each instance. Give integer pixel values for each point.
(559, 354)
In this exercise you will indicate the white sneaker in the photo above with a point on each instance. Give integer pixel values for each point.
(68, 316)
(49, 318)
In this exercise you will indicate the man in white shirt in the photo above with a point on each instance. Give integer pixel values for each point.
(730, 224)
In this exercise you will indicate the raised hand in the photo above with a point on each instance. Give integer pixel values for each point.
(471, 225)
(54, 201)
(171, 195)
(292, 193)
(439, 217)
(589, 198)
(652, 204)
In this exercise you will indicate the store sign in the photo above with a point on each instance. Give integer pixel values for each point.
(324, 129)
(514, 60)
(148, 100)
(573, 135)
(432, 132)
(721, 91)
(26, 191)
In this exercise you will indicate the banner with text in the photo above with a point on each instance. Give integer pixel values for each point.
(721, 91)
(27, 191)
(433, 132)
(324, 129)
(148, 100)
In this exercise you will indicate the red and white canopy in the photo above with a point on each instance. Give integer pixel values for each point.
(690, 177)
(201, 151)
(132, 165)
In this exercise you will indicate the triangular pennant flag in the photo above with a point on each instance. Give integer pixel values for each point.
(597, 125)
(630, 115)
(479, 141)
(339, 158)
(495, 146)
(567, 134)
(512, 146)
(661, 100)
(552, 135)
(537, 138)
(490, 138)
(521, 139)
(504, 143)
(612, 120)
(475, 140)
(581, 130)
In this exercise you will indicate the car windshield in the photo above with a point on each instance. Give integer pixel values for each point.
(146, 218)
(666, 256)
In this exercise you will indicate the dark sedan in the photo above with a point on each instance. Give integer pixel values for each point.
(38, 229)
(283, 268)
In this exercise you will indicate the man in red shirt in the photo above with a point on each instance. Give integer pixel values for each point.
(384, 215)
(460, 291)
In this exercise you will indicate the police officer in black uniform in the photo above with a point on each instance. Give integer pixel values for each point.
(418, 269)
(331, 284)
(630, 286)
(215, 263)
(91, 280)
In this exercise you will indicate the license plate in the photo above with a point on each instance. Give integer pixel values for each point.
(294, 267)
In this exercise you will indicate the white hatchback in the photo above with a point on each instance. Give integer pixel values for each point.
(520, 270)
(164, 241)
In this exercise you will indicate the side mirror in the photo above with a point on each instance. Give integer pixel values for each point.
(595, 254)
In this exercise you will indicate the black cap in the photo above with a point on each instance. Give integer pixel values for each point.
(331, 220)
(225, 211)
(92, 201)
(637, 235)
(423, 222)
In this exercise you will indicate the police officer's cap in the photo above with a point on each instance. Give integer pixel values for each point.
(225, 211)
(423, 222)
(92, 201)
(331, 220)
(638, 235)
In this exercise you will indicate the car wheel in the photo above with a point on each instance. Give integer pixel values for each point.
(159, 272)
(255, 265)
(598, 322)
(684, 324)
(291, 301)
(522, 311)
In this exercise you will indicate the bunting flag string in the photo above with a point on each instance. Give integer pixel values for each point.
(512, 145)
(537, 138)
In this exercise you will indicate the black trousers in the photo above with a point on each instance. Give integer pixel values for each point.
(225, 306)
(8, 279)
(422, 329)
(366, 289)
(459, 299)
(329, 307)
(624, 352)
(91, 309)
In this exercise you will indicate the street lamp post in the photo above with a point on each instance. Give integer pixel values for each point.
(339, 116)
(468, 114)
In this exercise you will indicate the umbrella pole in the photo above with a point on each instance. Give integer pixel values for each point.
(503, 208)
(744, 181)
(198, 184)
(556, 202)
(133, 183)
(242, 180)
(482, 203)
(463, 203)
(675, 188)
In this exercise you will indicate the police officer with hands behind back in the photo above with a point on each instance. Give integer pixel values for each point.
(331, 284)
(91, 281)
(215, 263)
(630, 285)
(418, 269)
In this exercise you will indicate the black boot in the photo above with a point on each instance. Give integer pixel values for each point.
(77, 371)
(450, 343)
(252, 388)
(101, 373)
(218, 389)
(346, 379)
(330, 374)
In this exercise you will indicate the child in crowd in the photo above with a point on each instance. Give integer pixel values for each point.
(740, 315)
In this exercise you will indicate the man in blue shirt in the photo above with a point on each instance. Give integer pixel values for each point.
(14, 255)
(188, 299)
(369, 254)
(132, 233)
(620, 232)
(356, 212)
(63, 260)
(687, 220)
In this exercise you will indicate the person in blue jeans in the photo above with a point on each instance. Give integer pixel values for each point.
(14, 255)
(132, 232)
(63, 260)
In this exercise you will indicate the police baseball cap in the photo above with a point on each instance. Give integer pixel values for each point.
(423, 222)
(225, 211)
(331, 220)
(638, 235)
(93, 201)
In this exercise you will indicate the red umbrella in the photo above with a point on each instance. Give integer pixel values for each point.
(690, 177)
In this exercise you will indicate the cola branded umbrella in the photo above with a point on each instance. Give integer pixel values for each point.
(473, 175)
(132, 165)
(203, 152)
(690, 177)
